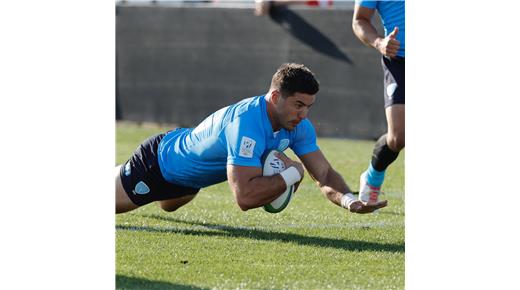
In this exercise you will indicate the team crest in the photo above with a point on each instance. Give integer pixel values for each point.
(141, 188)
(390, 89)
(284, 143)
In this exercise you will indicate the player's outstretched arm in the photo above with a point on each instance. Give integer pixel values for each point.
(332, 184)
(252, 189)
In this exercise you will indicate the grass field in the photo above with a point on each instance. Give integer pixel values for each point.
(313, 244)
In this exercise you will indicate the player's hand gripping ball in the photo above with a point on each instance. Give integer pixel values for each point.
(273, 165)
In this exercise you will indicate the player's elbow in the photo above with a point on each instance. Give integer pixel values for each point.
(357, 28)
(242, 200)
(354, 26)
(244, 205)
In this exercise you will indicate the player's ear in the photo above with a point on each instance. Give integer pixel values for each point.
(275, 96)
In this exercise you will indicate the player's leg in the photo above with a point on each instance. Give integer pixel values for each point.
(387, 146)
(371, 180)
(141, 181)
(175, 203)
(123, 202)
(395, 138)
(386, 151)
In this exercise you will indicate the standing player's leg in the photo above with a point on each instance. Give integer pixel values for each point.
(395, 138)
(389, 145)
(385, 152)
(123, 202)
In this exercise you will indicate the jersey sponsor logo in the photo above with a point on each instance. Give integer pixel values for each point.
(247, 146)
(284, 143)
(128, 169)
(141, 188)
(390, 89)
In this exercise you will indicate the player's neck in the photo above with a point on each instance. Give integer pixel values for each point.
(271, 114)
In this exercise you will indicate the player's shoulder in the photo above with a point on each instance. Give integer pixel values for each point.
(305, 124)
(248, 115)
(251, 104)
(249, 110)
(304, 130)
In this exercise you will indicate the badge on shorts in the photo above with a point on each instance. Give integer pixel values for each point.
(390, 89)
(141, 188)
(247, 146)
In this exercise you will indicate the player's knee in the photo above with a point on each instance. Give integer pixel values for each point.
(396, 141)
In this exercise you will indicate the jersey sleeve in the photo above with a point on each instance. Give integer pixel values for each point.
(305, 139)
(245, 141)
(367, 4)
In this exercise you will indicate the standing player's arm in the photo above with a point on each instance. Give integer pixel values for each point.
(367, 33)
(332, 184)
(362, 26)
(251, 189)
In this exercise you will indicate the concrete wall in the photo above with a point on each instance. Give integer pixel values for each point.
(179, 64)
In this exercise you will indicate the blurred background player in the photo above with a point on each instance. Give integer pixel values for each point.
(391, 46)
(228, 145)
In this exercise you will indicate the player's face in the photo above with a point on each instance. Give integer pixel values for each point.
(293, 109)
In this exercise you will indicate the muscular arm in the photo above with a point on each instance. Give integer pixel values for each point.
(367, 33)
(328, 180)
(332, 184)
(363, 28)
(251, 189)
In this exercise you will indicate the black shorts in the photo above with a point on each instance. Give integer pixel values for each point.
(393, 70)
(142, 179)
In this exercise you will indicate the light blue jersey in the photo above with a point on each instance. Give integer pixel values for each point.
(238, 134)
(392, 15)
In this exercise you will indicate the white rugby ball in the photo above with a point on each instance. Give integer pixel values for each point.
(273, 165)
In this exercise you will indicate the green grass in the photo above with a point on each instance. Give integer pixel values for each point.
(313, 244)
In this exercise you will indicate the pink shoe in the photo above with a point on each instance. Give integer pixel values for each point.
(367, 192)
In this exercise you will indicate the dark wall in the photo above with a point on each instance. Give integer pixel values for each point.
(179, 64)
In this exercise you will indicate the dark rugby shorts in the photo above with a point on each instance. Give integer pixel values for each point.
(142, 179)
(393, 70)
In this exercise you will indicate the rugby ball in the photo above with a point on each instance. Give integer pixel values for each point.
(273, 165)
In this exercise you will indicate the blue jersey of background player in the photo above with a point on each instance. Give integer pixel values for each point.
(228, 145)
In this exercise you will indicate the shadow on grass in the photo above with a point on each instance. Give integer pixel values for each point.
(132, 283)
(208, 229)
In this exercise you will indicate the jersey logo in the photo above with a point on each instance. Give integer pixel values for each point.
(141, 188)
(284, 143)
(247, 146)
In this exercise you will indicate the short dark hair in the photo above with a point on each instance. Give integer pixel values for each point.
(293, 78)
